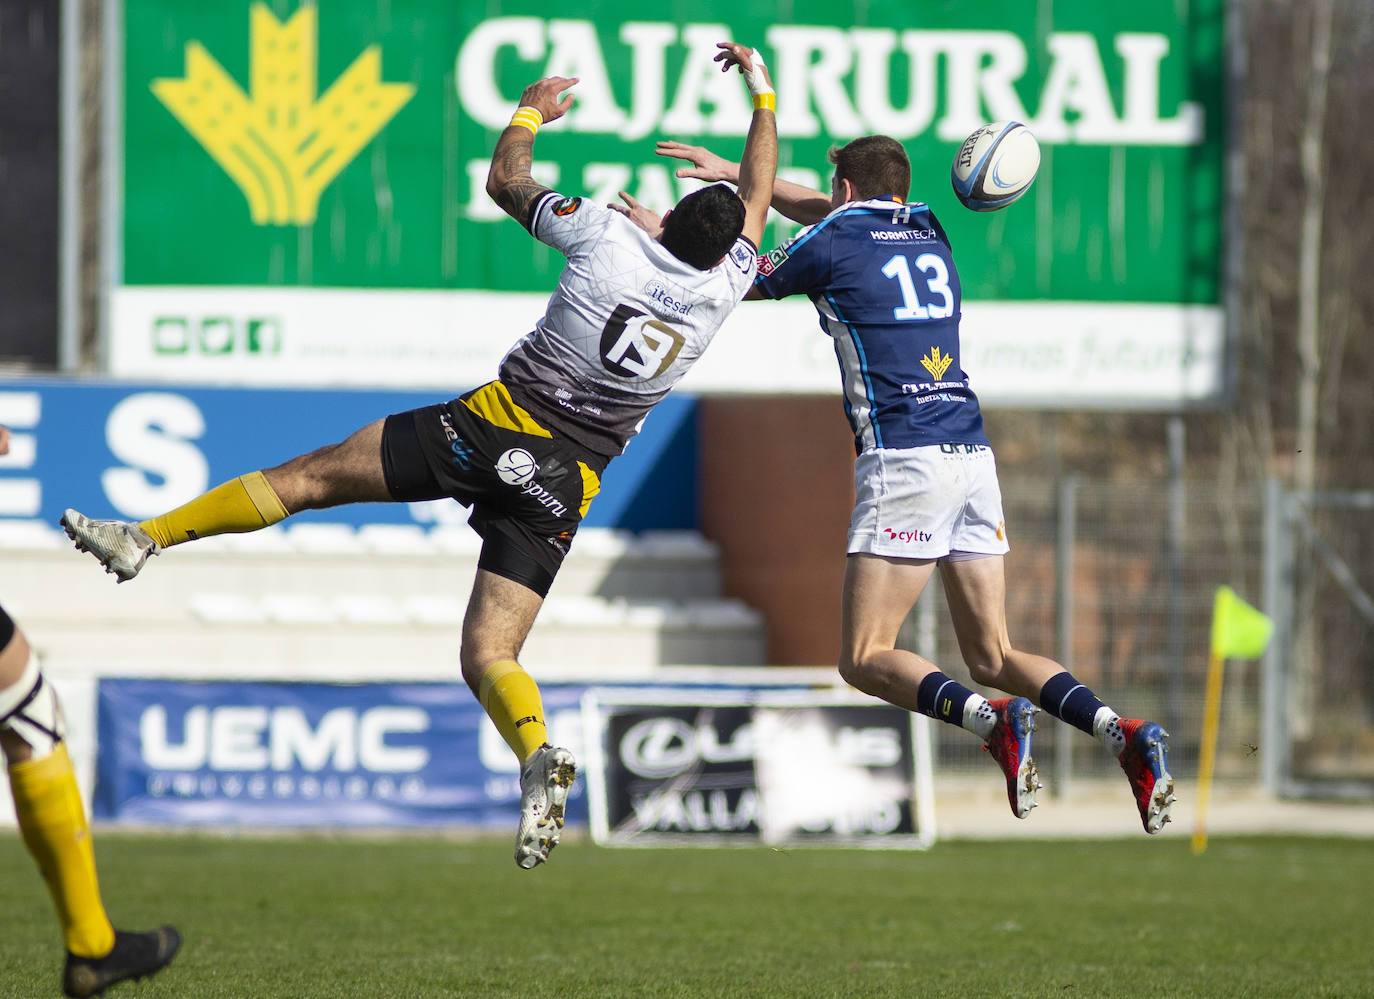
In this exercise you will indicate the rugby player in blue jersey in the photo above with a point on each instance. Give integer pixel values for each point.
(881, 274)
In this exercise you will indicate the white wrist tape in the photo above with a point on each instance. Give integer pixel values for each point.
(756, 78)
(30, 710)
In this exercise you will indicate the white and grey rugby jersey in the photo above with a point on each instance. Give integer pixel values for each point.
(625, 323)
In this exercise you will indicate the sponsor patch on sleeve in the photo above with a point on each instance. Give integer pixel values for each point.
(770, 261)
(567, 206)
(742, 255)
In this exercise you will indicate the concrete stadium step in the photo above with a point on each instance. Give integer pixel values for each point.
(384, 558)
(320, 595)
(233, 634)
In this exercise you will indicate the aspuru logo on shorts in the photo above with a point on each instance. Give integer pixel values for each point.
(516, 466)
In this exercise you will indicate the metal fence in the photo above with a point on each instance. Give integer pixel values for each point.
(1319, 574)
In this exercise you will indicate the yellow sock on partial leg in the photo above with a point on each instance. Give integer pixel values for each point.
(53, 823)
(511, 698)
(238, 506)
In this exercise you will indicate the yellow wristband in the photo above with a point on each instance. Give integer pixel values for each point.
(768, 101)
(528, 117)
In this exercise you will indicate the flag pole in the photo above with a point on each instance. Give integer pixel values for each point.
(1211, 718)
(1237, 630)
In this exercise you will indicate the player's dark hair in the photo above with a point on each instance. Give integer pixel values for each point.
(703, 226)
(875, 165)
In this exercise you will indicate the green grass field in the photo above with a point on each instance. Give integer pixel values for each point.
(412, 918)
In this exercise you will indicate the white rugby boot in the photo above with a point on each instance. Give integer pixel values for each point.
(544, 784)
(120, 546)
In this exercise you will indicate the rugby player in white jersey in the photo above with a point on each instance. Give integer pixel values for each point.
(633, 310)
(881, 274)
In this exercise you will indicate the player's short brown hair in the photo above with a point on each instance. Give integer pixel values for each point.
(875, 164)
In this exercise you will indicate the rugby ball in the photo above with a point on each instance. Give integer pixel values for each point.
(995, 166)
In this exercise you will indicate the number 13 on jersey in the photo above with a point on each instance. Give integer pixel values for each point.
(936, 273)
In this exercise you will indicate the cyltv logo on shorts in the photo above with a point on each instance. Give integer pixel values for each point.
(910, 537)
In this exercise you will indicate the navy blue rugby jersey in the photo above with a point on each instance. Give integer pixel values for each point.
(881, 274)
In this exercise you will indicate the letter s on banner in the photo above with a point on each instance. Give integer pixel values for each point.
(150, 431)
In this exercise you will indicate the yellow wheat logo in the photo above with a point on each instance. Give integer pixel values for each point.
(282, 147)
(935, 363)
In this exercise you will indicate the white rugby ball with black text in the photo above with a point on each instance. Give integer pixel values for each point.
(995, 166)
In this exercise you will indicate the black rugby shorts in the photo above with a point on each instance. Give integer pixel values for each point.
(528, 489)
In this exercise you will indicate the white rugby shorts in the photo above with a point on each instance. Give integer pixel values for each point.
(926, 502)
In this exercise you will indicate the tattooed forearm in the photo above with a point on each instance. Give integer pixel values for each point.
(509, 183)
(514, 154)
(516, 198)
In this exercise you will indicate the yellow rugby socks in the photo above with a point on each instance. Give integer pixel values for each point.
(511, 698)
(238, 506)
(53, 823)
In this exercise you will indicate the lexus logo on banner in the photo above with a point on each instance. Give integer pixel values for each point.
(777, 767)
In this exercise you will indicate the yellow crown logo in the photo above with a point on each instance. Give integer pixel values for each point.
(282, 147)
(936, 363)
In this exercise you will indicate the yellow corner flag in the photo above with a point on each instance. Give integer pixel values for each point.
(1240, 632)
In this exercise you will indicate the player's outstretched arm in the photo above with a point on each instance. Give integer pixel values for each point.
(509, 182)
(797, 201)
(758, 167)
(706, 165)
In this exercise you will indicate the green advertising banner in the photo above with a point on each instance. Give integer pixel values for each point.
(294, 149)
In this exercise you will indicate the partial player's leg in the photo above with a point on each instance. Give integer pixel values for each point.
(499, 617)
(890, 562)
(526, 532)
(976, 589)
(52, 822)
(348, 472)
(879, 592)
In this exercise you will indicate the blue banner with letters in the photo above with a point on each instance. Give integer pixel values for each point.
(133, 451)
(313, 754)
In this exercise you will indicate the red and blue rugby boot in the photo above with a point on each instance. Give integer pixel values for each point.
(1146, 762)
(1010, 746)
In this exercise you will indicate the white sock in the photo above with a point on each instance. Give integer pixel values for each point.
(1107, 730)
(979, 718)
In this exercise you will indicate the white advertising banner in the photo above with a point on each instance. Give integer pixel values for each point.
(1049, 355)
